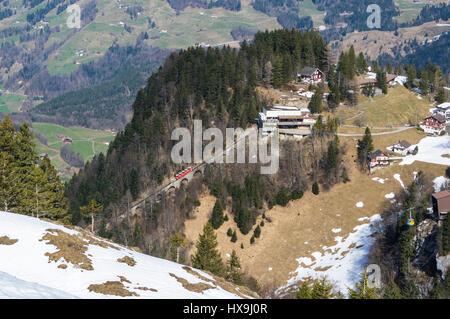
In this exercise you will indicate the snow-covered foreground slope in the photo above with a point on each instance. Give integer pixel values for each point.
(12, 287)
(40, 259)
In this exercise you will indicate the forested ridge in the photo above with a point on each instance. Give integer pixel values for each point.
(218, 86)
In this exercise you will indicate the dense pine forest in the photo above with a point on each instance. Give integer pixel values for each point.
(218, 86)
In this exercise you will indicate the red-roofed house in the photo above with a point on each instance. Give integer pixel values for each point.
(434, 124)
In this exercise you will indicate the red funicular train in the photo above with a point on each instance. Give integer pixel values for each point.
(183, 173)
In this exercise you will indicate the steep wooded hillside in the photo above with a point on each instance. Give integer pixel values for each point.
(215, 85)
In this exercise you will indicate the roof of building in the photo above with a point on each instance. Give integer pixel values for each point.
(308, 70)
(366, 81)
(442, 194)
(438, 117)
(375, 154)
(444, 106)
(285, 107)
(404, 143)
(390, 77)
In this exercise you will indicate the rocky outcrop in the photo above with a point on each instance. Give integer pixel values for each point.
(442, 265)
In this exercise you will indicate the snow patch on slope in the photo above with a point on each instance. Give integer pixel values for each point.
(342, 262)
(397, 177)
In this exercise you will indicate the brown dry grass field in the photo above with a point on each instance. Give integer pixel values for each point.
(304, 225)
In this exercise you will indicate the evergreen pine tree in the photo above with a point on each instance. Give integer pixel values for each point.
(382, 81)
(234, 237)
(304, 292)
(365, 147)
(351, 62)
(56, 205)
(322, 289)
(315, 188)
(362, 289)
(177, 241)
(315, 105)
(392, 291)
(233, 268)
(91, 210)
(423, 84)
(277, 73)
(440, 96)
(207, 256)
(217, 218)
(257, 232)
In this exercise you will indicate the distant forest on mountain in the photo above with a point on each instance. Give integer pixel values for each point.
(436, 52)
(101, 92)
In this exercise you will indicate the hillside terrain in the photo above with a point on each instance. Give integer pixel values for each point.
(331, 233)
(42, 259)
(88, 144)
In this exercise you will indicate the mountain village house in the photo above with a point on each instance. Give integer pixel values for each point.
(310, 75)
(402, 147)
(434, 124)
(441, 203)
(377, 160)
(444, 110)
(64, 139)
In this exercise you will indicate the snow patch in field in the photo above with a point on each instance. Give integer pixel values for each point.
(431, 150)
(397, 177)
(390, 195)
(363, 219)
(270, 268)
(439, 181)
(342, 262)
(359, 204)
(336, 230)
(379, 180)
(338, 215)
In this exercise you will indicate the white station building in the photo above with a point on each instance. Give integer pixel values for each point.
(289, 120)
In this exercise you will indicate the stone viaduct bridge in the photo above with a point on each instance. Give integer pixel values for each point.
(174, 184)
(157, 196)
